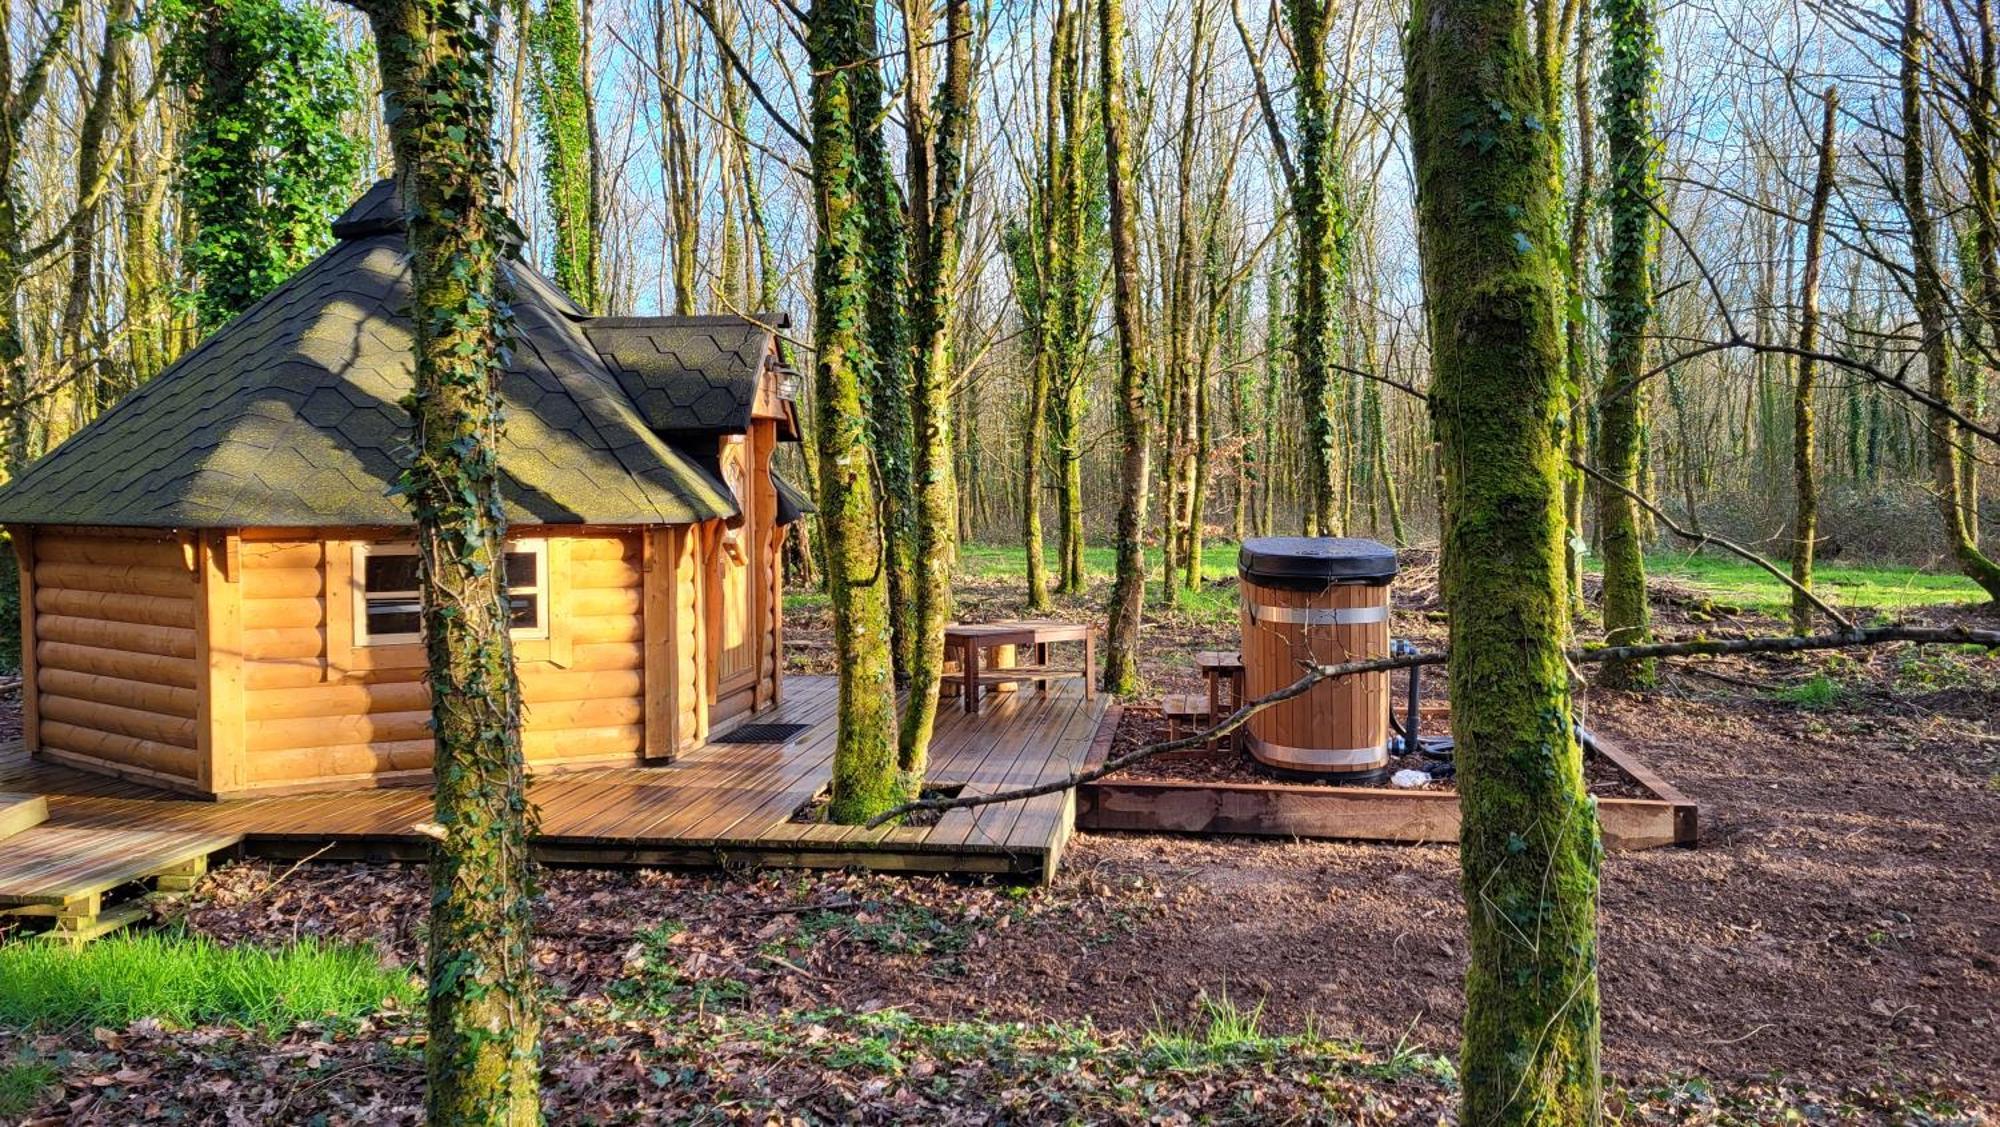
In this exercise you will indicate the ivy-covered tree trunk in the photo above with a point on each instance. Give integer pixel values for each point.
(1486, 195)
(841, 47)
(437, 76)
(888, 341)
(1805, 516)
(1630, 74)
(937, 183)
(569, 154)
(1319, 215)
(1128, 588)
(268, 158)
(1933, 316)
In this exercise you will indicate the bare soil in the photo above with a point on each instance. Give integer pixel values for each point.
(1838, 926)
(1838, 923)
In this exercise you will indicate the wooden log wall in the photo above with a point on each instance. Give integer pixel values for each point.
(112, 627)
(320, 709)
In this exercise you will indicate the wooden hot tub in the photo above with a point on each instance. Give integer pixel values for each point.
(1324, 600)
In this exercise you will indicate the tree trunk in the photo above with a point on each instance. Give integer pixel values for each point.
(1318, 212)
(888, 339)
(1528, 839)
(680, 154)
(1128, 588)
(437, 80)
(1942, 437)
(842, 48)
(1576, 337)
(1629, 79)
(1805, 518)
(937, 184)
(562, 116)
(1034, 438)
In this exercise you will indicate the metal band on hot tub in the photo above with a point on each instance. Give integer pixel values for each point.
(1323, 756)
(1320, 616)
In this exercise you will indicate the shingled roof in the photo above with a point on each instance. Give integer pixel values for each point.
(290, 415)
(687, 373)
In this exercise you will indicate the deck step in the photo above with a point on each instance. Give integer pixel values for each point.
(1184, 706)
(21, 812)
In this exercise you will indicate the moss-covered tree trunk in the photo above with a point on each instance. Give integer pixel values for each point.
(1630, 74)
(1071, 297)
(1128, 588)
(1317, 211)
(841, 47)
(937, 182)
(888, 338)
(1933, 314)
(1486, 195)
(1805, 515)
(437, 76)
(569, 157)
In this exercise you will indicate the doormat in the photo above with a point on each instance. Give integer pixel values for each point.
(759, 734)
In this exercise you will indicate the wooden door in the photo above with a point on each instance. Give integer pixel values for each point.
(733, 610)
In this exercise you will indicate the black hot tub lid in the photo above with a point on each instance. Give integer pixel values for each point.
(1315, 560)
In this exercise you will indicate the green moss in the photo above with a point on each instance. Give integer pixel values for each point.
(865, 779)
(1629, 78)
(1487, 196)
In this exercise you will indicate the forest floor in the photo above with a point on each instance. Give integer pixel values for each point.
(1830, 952)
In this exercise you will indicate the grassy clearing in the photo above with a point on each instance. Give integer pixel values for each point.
(189, 980)
(1009, 562)
(1878, 588)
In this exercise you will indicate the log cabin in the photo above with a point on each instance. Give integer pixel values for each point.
(218, 586)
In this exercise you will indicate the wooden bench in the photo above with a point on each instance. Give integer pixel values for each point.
(973, 675)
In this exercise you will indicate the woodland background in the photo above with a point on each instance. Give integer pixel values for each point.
(162, 165)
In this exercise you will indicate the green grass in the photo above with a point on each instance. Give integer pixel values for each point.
(22, 1082)
(1218, 561)
(1727, 579)
(1816, 692)
(190, 980)
(1009, 563)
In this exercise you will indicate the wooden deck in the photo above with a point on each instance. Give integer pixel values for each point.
(723, 804)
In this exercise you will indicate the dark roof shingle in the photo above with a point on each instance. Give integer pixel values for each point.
(291, 415)
(687, 373)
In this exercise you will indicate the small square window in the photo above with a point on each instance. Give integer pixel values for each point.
(388, 607)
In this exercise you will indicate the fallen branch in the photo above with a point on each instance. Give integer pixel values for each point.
(1694, 647)
(1701, 538)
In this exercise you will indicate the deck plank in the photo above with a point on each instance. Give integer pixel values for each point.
(733, 800)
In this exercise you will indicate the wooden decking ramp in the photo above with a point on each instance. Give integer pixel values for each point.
(723, 804)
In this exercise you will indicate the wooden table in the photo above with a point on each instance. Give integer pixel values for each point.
(968, 641)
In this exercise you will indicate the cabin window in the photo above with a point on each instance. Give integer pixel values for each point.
(388, 608)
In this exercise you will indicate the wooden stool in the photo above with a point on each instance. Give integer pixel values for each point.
(1223, 670)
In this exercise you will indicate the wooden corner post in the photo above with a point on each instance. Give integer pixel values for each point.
(218, 650)
(658, 649)
(23, 537)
